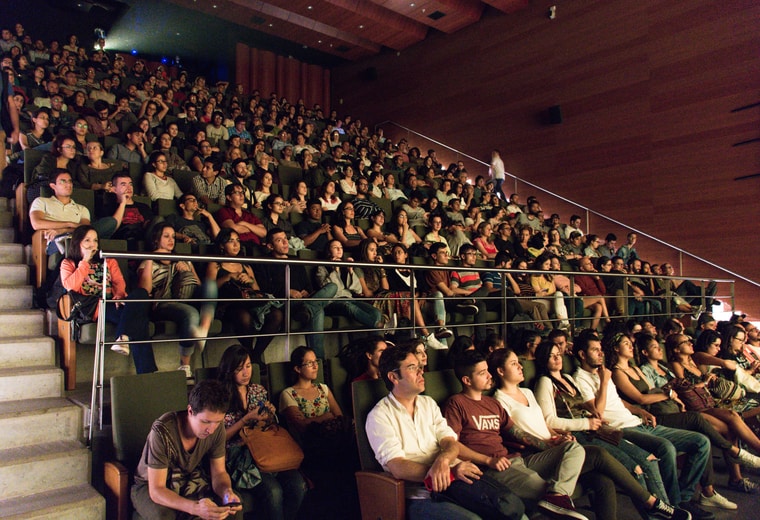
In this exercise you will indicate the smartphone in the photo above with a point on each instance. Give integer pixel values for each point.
(232, 504)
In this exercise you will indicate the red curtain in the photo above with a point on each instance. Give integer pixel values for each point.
(293, 79)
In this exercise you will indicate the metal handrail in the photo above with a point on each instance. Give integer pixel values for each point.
(574, 203)
(98, 384)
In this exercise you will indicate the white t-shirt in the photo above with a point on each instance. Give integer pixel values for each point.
(529, 418)
(615, 413)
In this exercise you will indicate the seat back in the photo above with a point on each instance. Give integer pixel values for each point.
(136, 402)
(280, 378)
(441, 384)
(364, 396)
(337, 380)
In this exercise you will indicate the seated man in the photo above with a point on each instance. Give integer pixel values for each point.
(411, 440)
(306, 304)
(312, 230)
(363, 207)
(374, 346)
(208, 186)
(468, 283)
(548, 476)
(133, 149)
(179, 448)
(59, 214)
(233, 216)
(131, 218)
(595, 384)
(189, 229)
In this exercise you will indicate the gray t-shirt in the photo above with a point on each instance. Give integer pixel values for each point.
(163, 449)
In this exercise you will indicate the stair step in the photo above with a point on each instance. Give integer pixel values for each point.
(34, 421)
(21, 323)
(14, 274)
(19, 383)
(27, 352)
(44, 467)
(6, 219)
(7, 235)
(71, 503)
(5, 203)
(11, 253)
(15, 296)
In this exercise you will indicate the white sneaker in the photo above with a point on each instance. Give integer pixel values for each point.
(432, 342)
(188, 371)
(717, 500)
(122, 348)
(748, 460)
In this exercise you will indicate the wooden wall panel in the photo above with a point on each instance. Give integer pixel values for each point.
(646, 89)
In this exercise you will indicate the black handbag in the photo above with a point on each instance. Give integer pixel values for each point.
(80, 312)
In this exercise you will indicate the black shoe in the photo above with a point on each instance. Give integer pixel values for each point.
(664, 510)
(468, 309)
(443, 333)
(697, 513)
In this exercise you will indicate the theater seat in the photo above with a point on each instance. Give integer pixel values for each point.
(381, 495)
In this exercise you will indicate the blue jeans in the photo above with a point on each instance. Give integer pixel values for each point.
(630, 456)
(483, 498)
(279, 495)
(316, 323)
(357, 310)
(498, 191)
(132, 320)
(665, 443)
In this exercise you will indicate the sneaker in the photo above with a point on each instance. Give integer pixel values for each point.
(443, 333)
(747, 459)
(122, 348)
(469, 309)
(696, 311)
(662, 509)
(697, 513)
(744, 485)
(717, 500)
(559, 506)
(188, 371)
(431, 342)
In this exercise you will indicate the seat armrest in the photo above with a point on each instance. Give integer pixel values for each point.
(116, 477)
(381, 496)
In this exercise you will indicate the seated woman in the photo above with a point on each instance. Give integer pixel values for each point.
(347, 183)
(401, 228)
(728, 423)
(377, 231)
(95, 173)
(263, 190)
(536, 308)
(547, 292)
(275, 209)
(248, 316)
(82, 272)
(279, 495)
(299, 197)
(434, 235)
(349, 286)
(747, 371)
(345, 230)
(167, 280)
(327, 197)
(711, 356)
(62, 155)
(484, 241)
(600, 472)
(157, 183)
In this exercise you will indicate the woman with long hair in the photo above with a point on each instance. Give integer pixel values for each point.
(546, 290)
(527, 296)
(253, 312)
(39, 134)
(484, 241)
(376, 231)
(176, 280)
(403, 230)
(728, 423)
(279, 495)
(601, 472)
(157, 182)
(344, 228)
(82, 271)
(63, 155)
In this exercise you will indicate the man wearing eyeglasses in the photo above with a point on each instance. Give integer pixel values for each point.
(412, 441)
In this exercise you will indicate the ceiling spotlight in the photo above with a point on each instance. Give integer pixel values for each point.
(361, 27)
(309, 8)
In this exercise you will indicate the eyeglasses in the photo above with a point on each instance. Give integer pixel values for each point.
(311, 364)
(278, 203)
(67, 146)
(81, 125)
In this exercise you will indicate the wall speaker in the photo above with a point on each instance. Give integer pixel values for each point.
(555, 115)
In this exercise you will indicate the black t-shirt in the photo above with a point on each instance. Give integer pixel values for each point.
(271, 278)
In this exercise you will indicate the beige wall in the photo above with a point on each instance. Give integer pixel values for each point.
(646, 89)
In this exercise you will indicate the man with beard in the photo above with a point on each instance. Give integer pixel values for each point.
(101, 125)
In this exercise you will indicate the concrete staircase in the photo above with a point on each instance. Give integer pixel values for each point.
(45, 467)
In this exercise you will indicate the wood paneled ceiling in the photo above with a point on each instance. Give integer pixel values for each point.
(350, 29)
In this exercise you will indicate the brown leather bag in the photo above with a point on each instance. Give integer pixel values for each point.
(272, 448)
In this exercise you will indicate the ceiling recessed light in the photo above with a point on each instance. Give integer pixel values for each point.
(214, 6)
(309, 8)
(319, 41)
(271, 25)
(361, 27)
(412, 4)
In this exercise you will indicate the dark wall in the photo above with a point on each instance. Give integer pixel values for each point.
(646, 90)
